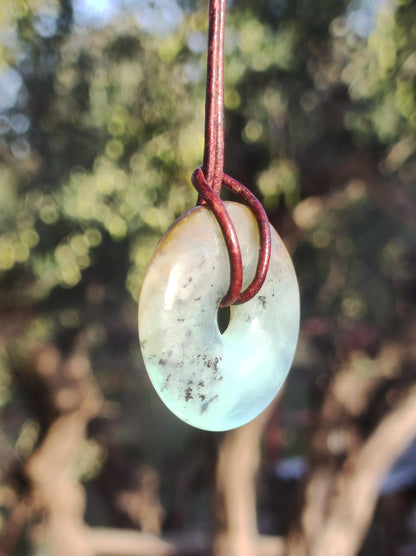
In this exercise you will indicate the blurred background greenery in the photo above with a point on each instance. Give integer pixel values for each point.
(101, 126)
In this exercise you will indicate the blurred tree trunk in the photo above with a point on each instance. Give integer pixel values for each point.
(238, 461)
(72, 399)
(347, 468)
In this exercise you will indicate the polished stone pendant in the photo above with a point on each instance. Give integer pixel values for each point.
(212, 380)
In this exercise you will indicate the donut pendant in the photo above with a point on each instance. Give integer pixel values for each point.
(212, 380)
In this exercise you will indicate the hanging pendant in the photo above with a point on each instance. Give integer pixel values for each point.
(210, 380)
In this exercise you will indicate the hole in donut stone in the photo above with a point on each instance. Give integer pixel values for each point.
(223, 318)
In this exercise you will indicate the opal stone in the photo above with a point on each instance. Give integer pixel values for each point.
(210, 380)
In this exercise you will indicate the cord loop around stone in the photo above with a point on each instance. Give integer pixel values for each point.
(234, 296)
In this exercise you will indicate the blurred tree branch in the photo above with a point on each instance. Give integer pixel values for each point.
(238, 461)
(72, 399)
(347, 466)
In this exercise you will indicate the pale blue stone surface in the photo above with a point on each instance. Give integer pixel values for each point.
(211, 380)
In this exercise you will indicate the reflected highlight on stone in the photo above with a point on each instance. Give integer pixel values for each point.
(211, 380)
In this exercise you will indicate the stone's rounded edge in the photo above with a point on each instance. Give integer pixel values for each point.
(202, 219)
(218, 419)
(174, 227)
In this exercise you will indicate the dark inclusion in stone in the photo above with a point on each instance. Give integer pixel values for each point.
(262, 300)
(166, 382)
(205, 405)
(188, 282)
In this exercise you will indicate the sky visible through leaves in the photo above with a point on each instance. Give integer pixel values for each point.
(156, 16)
(162, 16)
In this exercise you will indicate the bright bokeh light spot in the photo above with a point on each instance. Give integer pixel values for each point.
(159, 16)
(362, 15)
(197, 42)
(321, 239)
(308, 213)
(46, 24)
(280, 178)
(95, 13)
(10, 85)
(251, 36)
(69, 275)
(93, 237)
(116, 226)
(19, 123)
(7, 258)
(154, 16)
(253, 131)
(232, 99)
(20, 148)
(30, 237)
